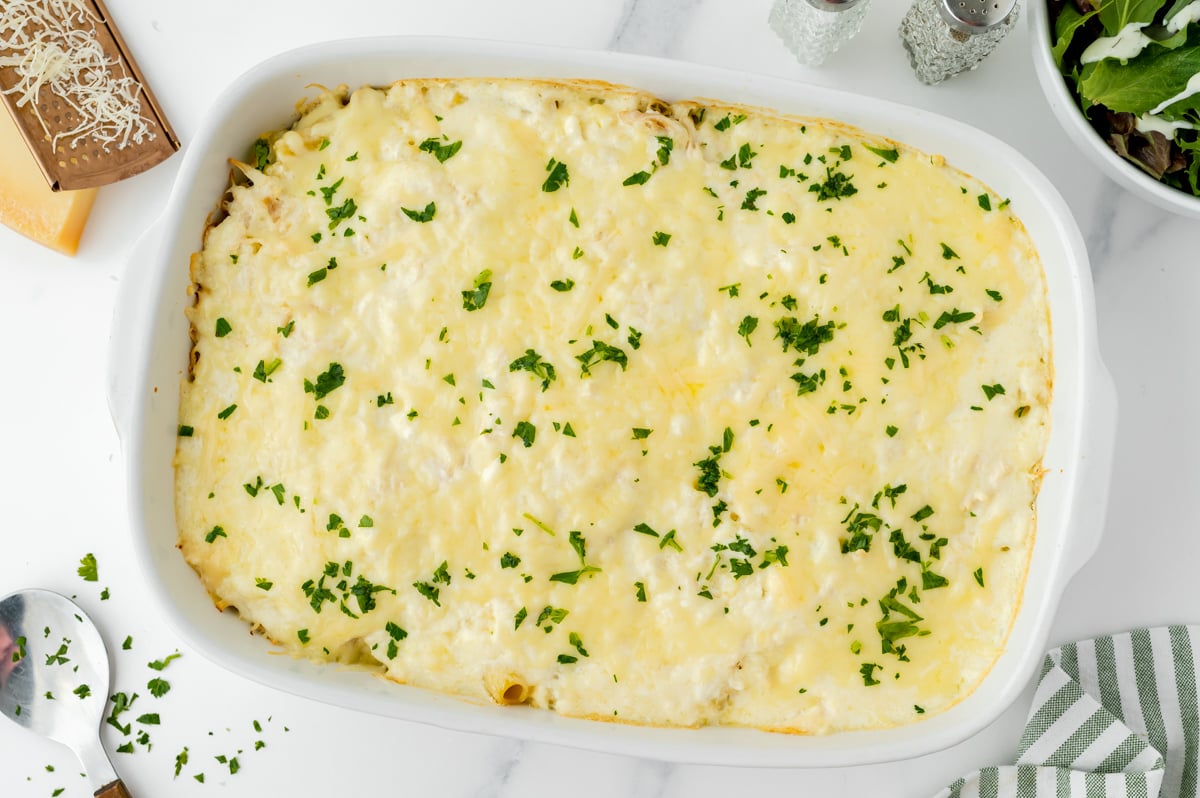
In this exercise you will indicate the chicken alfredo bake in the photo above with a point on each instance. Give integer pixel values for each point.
(553, 393)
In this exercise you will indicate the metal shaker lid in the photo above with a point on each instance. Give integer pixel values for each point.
(976, 16)
(834, 5)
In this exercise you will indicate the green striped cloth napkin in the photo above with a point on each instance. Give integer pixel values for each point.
(1114, 716)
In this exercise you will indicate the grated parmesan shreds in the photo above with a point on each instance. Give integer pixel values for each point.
(52, 44)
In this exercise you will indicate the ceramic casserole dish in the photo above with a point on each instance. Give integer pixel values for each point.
(150, 357)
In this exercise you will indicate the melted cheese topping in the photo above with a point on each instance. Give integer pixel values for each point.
(667, 414)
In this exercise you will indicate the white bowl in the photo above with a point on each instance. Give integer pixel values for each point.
(150, 352)
(1078, 129)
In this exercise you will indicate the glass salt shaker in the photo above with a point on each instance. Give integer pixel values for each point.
(946, 37)
(813, 30)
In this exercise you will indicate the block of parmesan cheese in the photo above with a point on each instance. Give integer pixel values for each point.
(27, 204)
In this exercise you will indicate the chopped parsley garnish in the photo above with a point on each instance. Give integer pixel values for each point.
(868, 670)
(476, 298)
(558, 176)
(992, 391)
(807, 337)
(262, 154)
(185, 431)
(891, 430)
(327, 382)
(421, 216)
(87, 568)
(710, 467)
(930, 580)
(532, 362)
(637, 178)
(889, 155)
(985, 202)
(641, 433)
(345, 211)
(573, 219)
(227, 412)
(752, 197)
(661, 239)
(996, 295)
(640, 591)
(223, 327)
(947, 252)
(286, 329)
(263, 584)
(954, 316)
(572, 577)
(665, 145)
(748, 325)
(509, 560)
(443, 152)
(836, 186)
(979, 576)
(563, 285)
(728, 121)
(600, 353)
(526, 432)
(520, 617)
(264, 370)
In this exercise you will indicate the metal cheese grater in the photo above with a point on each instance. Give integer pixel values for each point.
(813, 30)
(73, 161)
(946, 37)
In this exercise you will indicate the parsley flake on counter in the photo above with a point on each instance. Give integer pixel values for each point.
(87, 568)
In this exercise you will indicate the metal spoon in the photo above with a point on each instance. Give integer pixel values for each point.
(54, 678)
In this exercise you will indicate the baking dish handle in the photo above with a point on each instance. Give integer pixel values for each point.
(127, 336)
(1098, 447)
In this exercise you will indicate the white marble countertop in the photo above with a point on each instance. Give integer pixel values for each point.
(62, 492)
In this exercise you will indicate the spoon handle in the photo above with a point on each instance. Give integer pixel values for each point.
(114, 790)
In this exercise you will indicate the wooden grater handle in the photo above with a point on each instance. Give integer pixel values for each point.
(114, 790)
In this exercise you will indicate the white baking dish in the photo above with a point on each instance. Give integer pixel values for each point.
(150, 348)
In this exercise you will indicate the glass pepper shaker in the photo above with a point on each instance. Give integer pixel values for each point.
(813, 30)
(946, 37)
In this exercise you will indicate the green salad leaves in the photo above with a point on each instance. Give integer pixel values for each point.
(1134, 66)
